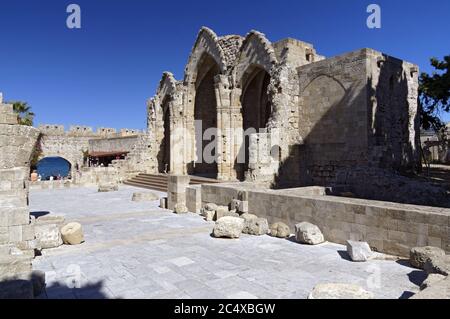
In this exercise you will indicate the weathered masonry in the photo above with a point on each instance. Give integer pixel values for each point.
(313, 116)
(79, 142)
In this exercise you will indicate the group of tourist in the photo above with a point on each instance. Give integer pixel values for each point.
(35, 177)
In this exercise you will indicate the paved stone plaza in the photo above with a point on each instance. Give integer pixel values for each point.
(137, 250)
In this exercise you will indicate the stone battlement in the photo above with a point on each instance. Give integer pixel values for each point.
(87, 131)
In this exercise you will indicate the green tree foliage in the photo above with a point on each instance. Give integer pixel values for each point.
(434, 94)
(24, 114)
(37, 152)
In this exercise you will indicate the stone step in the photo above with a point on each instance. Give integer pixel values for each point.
(161, 189)
(160, 181)
(149, 183)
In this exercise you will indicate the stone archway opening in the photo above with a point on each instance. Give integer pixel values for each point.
(256, 108)
(205, 115)
(53, 168)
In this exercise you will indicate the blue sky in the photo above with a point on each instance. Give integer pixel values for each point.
(102, 74)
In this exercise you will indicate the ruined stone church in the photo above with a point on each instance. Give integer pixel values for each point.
(313, 116)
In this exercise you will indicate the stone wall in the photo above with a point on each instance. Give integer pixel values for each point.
(93, 176)
(388, 227)
(71, 145)
(113, 144)
(17, 237)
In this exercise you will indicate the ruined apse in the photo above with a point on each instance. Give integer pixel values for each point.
(305, 117)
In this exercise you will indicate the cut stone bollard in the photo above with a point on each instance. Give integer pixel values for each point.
(144, 197)
(339, 291)
(280, 230)
(180, 209)
(163, 203)
(229, 227)
(256, 226)
(72, 234)
(418, 256)
(358, 250)
(307, 233)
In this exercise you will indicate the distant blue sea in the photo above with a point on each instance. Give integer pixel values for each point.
(52, 166)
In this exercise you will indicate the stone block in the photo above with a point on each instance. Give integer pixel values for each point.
(280, 230)
(358, 250)
(178, 183)
(307, 233)
(194, 198)
(4, 235)
(221, 211)
(438, 290)
(234, 205)
(163, 202)
(15, 234)
(209, 215)
(28, 232)
(419, 255)
(108, 187)
(180, 208)
(14, 266)
(438, 265)
(175, 198)
(48, 235)
(339, 291)
(144, 197)
(243, 207)
(50, 219)
(431, 280)
(228, 227)
(246, 216)
(256, 226)
(210, 206)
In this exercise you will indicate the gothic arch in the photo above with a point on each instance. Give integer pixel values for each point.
(256, 52)
(167, 91)
(207, 42)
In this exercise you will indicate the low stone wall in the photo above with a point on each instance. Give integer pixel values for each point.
(388, 227)
(55, 184)
(93, 176)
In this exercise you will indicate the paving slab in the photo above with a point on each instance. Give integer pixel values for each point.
(138, 250)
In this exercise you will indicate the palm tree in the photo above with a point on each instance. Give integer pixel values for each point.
(24, 114)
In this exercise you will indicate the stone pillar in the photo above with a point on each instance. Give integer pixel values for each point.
(176, 190)
(177, 145)
(17, 238)
(237, 137)
(263, 166)
(223, 99)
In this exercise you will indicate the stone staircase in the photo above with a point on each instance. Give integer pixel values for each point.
(159, 181)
